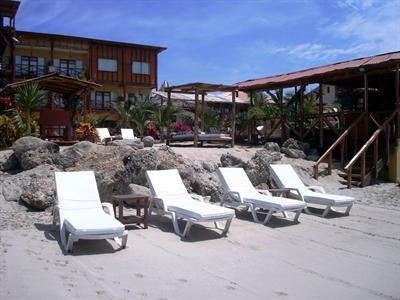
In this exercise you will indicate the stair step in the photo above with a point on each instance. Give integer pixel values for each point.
(344, 175)
(353, 182)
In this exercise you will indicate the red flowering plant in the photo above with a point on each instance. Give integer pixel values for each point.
(86, 132)
(182, 127)
(151, 130)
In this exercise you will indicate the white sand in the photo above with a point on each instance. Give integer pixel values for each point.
(354, 257)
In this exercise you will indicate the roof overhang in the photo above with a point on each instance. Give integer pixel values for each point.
(200, 87)
(53, 82)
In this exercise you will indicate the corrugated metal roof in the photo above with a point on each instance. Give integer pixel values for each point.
(217, 98)
(319, 71)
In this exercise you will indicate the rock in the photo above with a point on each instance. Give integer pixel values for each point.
(272, 147)
(29, 143)
(148, 141)
(313, 155)
(8, 161)
(294, 144)
(12, 187)
(257, 169)
(139, 189)
(228, 160)
(40, 192)
(293, 153)
(81, 149)
(209, 166)
(135, 144)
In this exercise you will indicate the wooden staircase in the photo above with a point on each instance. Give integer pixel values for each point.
(369, 160)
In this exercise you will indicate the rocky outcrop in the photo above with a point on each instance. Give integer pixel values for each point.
(135, 144)
(229, 160)
(272, 147)
(295, 149)
(8, 161)
(148, 141)
(39, 180)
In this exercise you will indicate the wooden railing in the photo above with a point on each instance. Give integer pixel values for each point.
(342, 141)
(390, 128)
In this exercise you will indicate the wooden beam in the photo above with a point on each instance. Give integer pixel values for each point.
(233, 117)
(202, 111)
(365, 91)
(283, 133)
(320, 113)
(196, 118)
(397, 89)
(168, 128)
(301, 111)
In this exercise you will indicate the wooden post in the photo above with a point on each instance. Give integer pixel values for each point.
(301, 111)
(196, 118)
(283, 131)
(363, 169)
(202, 110)
(250, 124)
(233, 123)
(365, 92)
(168, 104)
(320, 112)
(376, 156)
(397, 89)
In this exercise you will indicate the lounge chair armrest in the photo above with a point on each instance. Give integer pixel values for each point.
(235, 195)
(264, 192)
(108, 208)
(317, 188)
(197, 197)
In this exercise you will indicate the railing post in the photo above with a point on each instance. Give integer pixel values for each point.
(342, 144)
(376, 149)
(363, 169)
(316, 171)
(330, 163)
(387, 146)
(349, 176)
(355, 140)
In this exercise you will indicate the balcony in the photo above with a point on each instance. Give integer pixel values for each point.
(72, 72)
(24, 70)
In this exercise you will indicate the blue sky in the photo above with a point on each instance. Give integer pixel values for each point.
(225, 41)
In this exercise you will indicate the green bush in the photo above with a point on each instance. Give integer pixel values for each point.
(9, 132)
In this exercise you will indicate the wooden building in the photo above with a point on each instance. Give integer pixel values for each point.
(120, 69)
(369, 126)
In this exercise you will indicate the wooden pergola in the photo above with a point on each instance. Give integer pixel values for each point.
(201, 88)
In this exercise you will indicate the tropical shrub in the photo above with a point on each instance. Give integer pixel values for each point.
(152, 130)
(86, 132)
(182, 126)
(27, 100)
(9, 132)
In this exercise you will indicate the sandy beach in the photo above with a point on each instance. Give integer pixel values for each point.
(339, 257)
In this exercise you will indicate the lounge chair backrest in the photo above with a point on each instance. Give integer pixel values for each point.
(127, 134)
(103, 133)
(77, 190)
(165, 183)
(235, 179)
(286, 177)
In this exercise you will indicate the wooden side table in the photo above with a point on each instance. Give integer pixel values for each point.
(138, 201)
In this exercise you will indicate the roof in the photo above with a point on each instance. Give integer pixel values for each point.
(313, 75)
(92, 40)
(8, 7)
(53, 82)
(220, 98)
(201, 87)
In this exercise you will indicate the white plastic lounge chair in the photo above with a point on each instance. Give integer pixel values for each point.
(285, 177)
(127, 134)
(80, 213)
(169, 196)
(104, 135)
(238, 187)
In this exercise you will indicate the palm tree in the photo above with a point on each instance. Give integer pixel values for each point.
(123, 109)
(27, 100)
(163, 116)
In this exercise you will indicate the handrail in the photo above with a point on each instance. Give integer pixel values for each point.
(373, 137)
(340, 139)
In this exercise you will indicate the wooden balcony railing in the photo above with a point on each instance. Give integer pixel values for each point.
(390, 127)
(342, 141)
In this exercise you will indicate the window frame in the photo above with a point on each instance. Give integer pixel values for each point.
(100, 97)
(109, 60)
(140, 64)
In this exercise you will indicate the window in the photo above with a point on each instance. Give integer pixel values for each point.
(29, 66)
(108, 65)
(55, 132)
(59, 101)
(139, 67)
(69, 67)
(328, 89)
(102, 100)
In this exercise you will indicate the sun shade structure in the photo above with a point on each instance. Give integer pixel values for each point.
(54, 82)
(201, 88)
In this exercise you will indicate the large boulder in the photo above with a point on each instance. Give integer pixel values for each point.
(295, 149)
(135, 144)
(229, 160)
(272, 147)
(39, 180)
(30, 143)
(257, 169)
(294, 153)
(148, 141)
(138, 189)
(8, 161)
